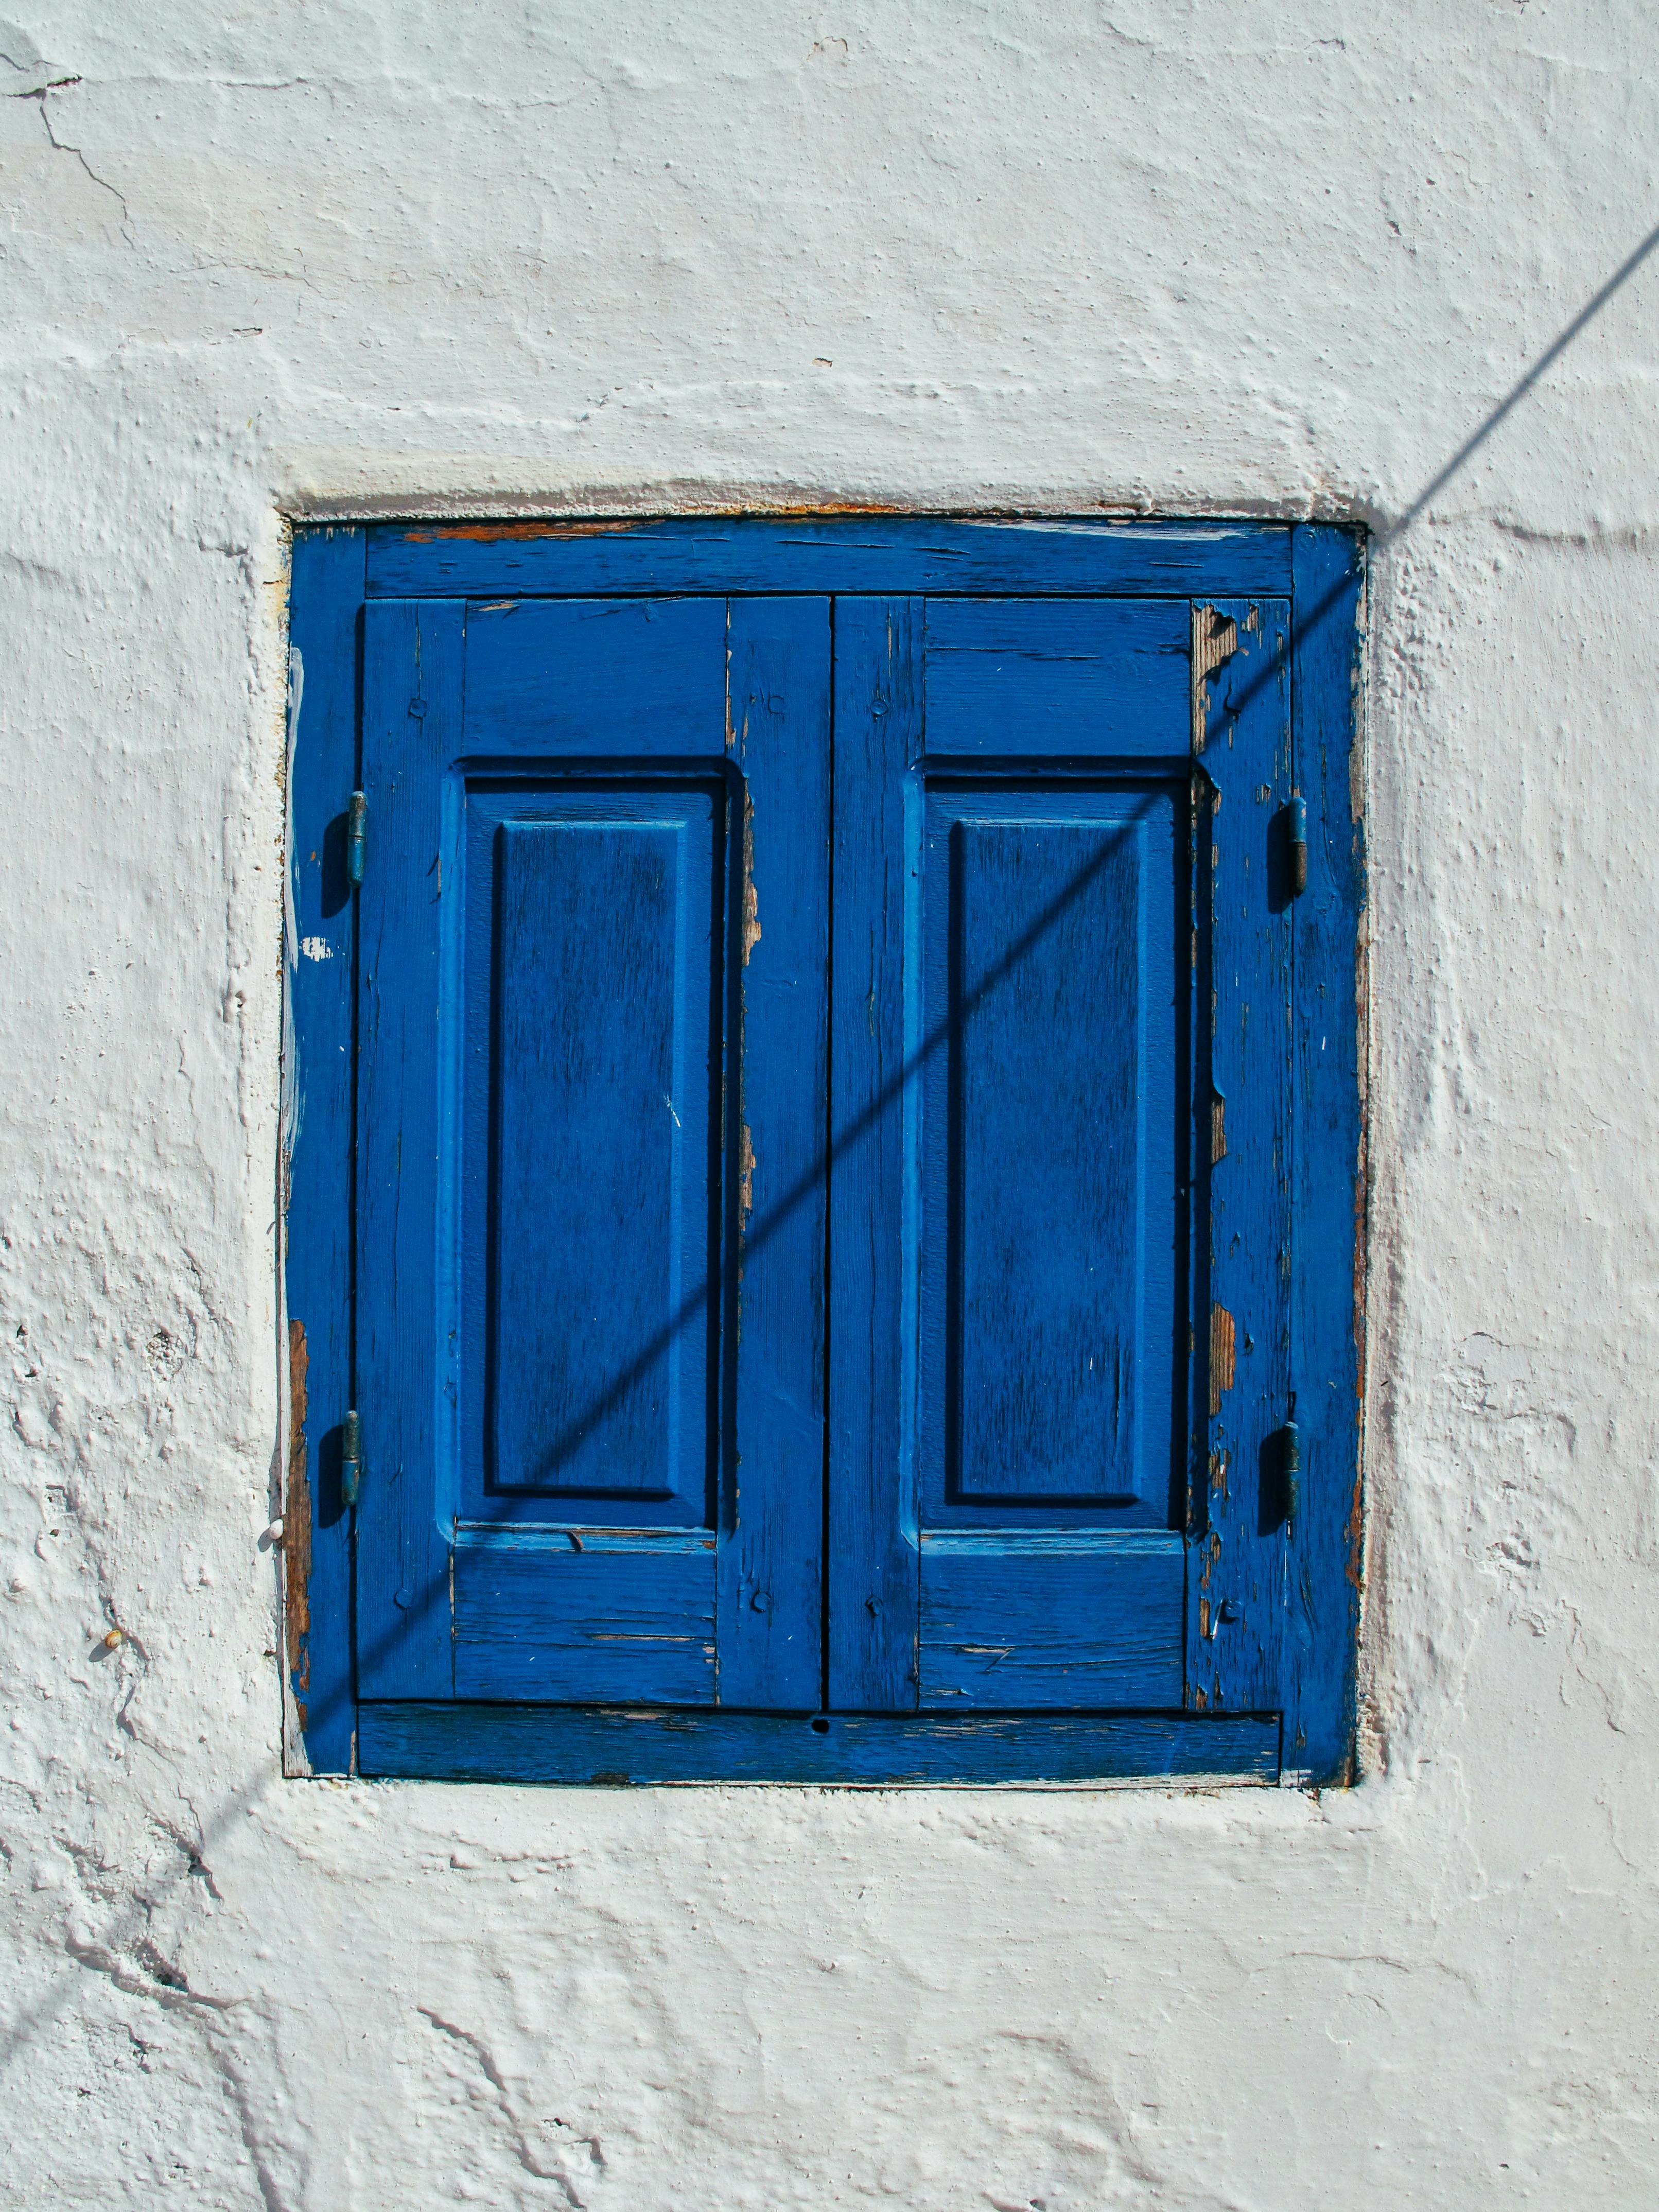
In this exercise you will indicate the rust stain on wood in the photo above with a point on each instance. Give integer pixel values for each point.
(497, 533)
(1218, 1128)
(296, 1525)
(806, 510)
(1224, 1355)
(1215, 641)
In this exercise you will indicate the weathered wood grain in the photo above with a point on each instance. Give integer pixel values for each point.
(1011, 678)
(864, 555)
(561, 679)
(1049, 1318)
(1236, 1594)
(871, 1557)
(413, 689)
(771, 1588)
(1328, 1194)
(1016, 1622)
(527, 1743)
(1007, 1319)
(615, 1623)
(596, 1154)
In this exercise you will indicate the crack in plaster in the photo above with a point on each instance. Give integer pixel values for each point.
(61, 146)
(519, 2135)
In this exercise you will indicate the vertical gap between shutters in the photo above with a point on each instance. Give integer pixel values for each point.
(1292, 1124)
(829, 1142)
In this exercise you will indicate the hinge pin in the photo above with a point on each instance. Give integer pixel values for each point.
(1298, 841)
(356, 826)
(1289, 1471)
(351, 1458)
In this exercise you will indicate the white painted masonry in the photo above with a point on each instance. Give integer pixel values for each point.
(1170, 255)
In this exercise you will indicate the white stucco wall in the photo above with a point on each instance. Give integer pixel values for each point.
(1277, 260)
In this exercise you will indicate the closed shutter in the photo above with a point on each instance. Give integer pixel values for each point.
(1059, 1194)
(594, 1025)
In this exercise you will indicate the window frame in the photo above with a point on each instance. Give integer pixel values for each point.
(1308, 1738)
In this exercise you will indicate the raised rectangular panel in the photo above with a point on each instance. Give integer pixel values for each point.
(1048, 1159)
(1050, 1147)
(593, 1034)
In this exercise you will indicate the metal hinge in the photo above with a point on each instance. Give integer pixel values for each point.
(1296, 828)
(351, 1458)
(1290, 1470)
(356, 827)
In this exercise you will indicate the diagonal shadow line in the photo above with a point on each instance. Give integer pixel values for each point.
(1518, 391)
(695, 1307)
(117, 1962)
(1305, 621)
(112, 1955)
(141, 1983)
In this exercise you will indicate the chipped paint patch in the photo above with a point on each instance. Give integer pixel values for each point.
(1215, 641)
(316, 948)
(1224, 1355)
(751, 928)
(746, 1177)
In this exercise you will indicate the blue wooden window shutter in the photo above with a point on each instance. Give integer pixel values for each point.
(823, 1151)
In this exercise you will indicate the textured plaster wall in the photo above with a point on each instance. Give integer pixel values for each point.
(1282, 259)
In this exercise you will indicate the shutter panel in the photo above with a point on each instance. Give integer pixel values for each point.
(592, 1039)
(1022, 1226)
